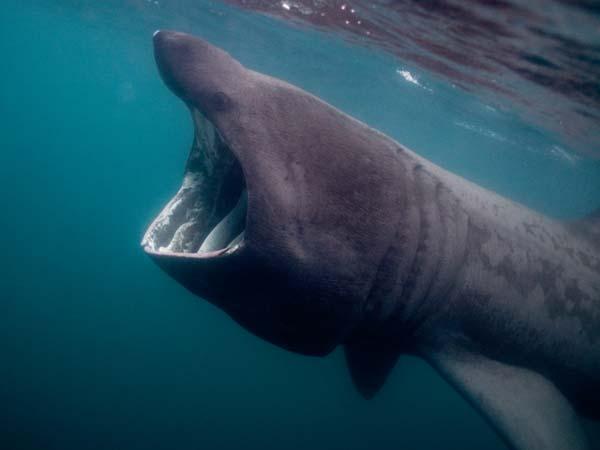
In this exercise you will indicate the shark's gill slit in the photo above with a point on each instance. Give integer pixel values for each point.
(208, 213)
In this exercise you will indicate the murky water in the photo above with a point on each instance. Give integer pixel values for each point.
(100, 349)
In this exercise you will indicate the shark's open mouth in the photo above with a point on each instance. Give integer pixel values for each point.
(207, 216)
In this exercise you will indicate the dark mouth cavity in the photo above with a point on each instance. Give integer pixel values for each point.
(208, 213)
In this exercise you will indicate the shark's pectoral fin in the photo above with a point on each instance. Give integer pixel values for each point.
(369, 364)
(526, 409)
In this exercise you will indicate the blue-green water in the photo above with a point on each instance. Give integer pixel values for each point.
(98, 348)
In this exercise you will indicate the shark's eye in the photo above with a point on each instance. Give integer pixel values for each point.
(220, 101)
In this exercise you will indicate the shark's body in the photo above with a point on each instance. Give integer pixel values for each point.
(313, 230)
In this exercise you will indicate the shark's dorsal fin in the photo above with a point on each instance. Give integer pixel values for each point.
(369, 364)
(524, 407)
(589, 227)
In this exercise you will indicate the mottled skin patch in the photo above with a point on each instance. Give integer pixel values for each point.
(562, 295)
(529, 294)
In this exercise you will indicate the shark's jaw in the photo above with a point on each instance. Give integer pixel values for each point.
(207, 216)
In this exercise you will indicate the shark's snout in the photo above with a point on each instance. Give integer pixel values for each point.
(192, 68)
(172, 54)
(166, 41)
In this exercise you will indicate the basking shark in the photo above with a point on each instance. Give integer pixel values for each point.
(313, 230)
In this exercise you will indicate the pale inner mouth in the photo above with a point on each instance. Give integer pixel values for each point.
(208, 213)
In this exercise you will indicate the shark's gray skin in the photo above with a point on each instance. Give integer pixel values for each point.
(313, 230)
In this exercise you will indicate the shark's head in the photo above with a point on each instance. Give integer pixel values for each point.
(281, 198)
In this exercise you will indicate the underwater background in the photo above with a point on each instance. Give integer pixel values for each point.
(101, 350)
